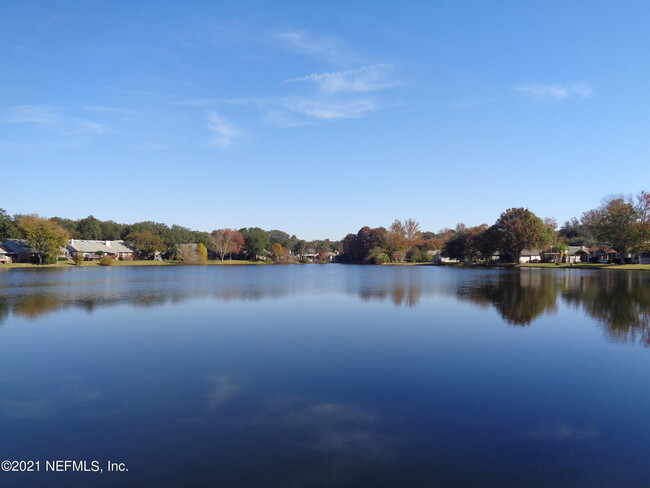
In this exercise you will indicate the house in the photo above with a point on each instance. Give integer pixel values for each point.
(4, 256)
(604, 255)
(19, 252)
(644, 258)
(436, 256)
(92, 250)
(574, 254)
(530, 256)
(579, 254)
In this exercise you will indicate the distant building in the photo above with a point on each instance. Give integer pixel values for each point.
(4, 256)
(93, 250)
(19, 251)
(604, 255)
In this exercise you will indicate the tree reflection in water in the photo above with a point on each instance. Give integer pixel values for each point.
(520, 297)
(619, 300)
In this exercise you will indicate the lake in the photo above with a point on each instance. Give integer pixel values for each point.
(326, 376)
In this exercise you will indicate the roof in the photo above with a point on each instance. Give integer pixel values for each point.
(531, 252)
(604, 249)
(17, 246)
(107, 247)
(3, 250)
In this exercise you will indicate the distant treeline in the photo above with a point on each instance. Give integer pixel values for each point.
(621, 223)
(158, 238)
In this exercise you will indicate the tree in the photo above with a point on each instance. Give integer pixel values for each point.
(279, 254)
(575, 233)
(226, 241)
(89, 228)
(299, 247)
(256, 242)
(280, 237)
(412, 233)
(8, 229)
(202, 252)
(189, 254)
(44, 236)
(563, 249)
(518, 229)
(146, 243)
(621, 223)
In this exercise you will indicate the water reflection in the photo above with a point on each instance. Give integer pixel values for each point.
(618, 300)
(520, 297)
(621, 301)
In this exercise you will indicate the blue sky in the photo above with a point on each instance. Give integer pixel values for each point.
(320, 117)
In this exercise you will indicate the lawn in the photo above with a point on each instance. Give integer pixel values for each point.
(623, 267)
(88, 264)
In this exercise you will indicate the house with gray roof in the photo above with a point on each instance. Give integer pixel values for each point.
(92, 250)
(19, 251)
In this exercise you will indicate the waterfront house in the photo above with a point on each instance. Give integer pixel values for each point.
(19, 251)
(4, 256)
(530, 256)
(604, 255)
(93, 250)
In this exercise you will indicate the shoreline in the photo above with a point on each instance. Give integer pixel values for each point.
(233, 262)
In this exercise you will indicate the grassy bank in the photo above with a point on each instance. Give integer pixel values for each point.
(622, 267)
(90, 264)
(619, 267)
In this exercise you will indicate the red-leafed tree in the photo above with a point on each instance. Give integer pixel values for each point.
(226, 241)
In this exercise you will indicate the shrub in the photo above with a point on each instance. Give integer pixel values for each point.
(78, 259)
(377, 256)
(106, 261)
(398, 256)
(382, 258)
(188, 254)
(413, 255)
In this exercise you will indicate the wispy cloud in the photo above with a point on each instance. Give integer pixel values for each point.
(224, 133)
(556, 91)
(331, 109)
(53, 119)
(327, 48)
(365, 79)
(45, 115)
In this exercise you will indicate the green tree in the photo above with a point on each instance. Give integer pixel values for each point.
(518, 229)
(256, 242)
(8, 229)
(146, 243)
(44, 236)
(299, 247)
(620, 223)
(89, 228)
(563, 249)
(575, 233)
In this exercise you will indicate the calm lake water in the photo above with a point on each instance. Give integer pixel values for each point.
(327, 376)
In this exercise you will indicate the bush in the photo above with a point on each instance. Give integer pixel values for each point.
(382, 258)
(413, 255)
(78, 259)
(398, 256)
(106, 261)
